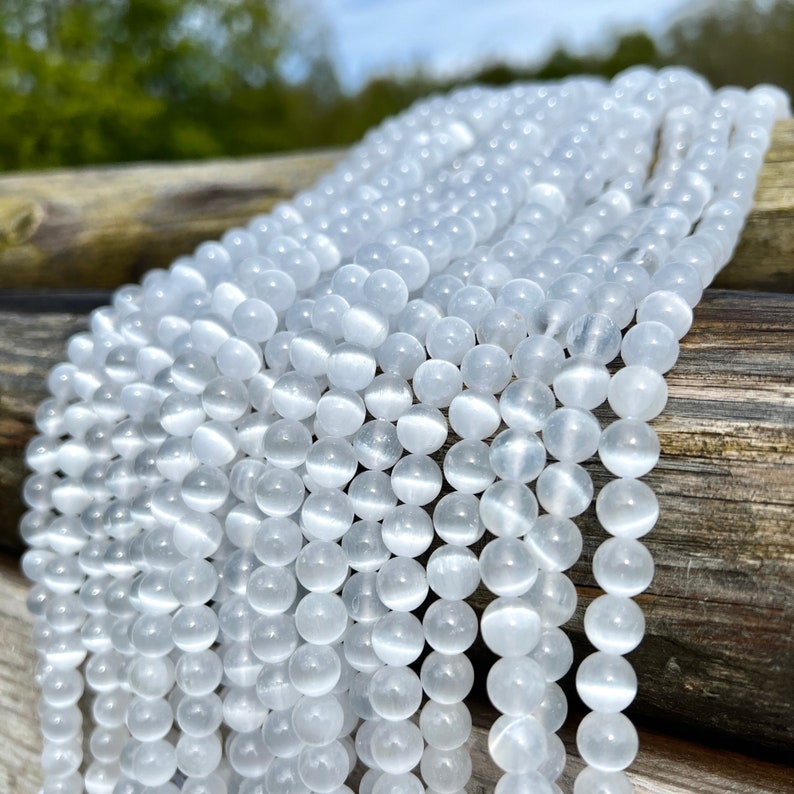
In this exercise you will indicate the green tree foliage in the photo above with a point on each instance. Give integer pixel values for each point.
(100, 81)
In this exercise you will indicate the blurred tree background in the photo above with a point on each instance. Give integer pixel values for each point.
(101, 81)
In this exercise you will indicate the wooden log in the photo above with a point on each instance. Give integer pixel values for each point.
(101, 227)
(719, 650)
(665, 765)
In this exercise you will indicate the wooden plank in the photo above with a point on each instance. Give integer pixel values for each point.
(100, 227)
(720, 608)
(665, 765)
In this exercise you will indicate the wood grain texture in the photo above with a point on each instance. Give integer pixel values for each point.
(719, 650)
(764, 253)
(100, 227)
(665, 765)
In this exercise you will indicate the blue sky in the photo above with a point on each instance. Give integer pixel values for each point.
(371, 37)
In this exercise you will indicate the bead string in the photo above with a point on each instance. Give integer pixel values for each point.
(237, 433)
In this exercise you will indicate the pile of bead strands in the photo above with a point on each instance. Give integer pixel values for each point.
(239, 467)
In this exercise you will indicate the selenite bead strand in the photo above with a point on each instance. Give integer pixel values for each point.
(240, 432)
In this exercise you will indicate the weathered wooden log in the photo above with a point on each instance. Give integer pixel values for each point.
(719, 649)
(665, 765)
(101, 227)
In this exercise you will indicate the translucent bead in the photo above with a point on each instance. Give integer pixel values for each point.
(255, 319)
(295, 395)
(271, 591)
(486, 368)
(205, 489)
(581, 382)
(286, 443)
(199, 673)
(453, 572)
(247, 754)
(517, 744)
(326, 514)
(470, 303)
(277, 541)
(279, 734)
(651, 344)
(321, 618)
(377, 446)
(364, 547)
(508, 509)
(341, 412)
(595, 781)
(614, 624)
(555, 542)
(386, 290)
(365, 325)
(623, 566)
(564, 489)
(397, 638)
(417, 317)
(516, 685)
(361, 598)
(244, 708)
(395, 693)
(400, 355)
(274, 637)
(446, 771)
(199, 715)
(396, 746)
(681, 278)
(445, 726)
(279, 492)
(450, 626)
(607, 742)
(371, 495)
(402, 584)
(317, 721)
(467, 468)
(526, 404)
(449, 339)
(197, 535)
(606, 682)
(510, 626)
(627, 508)
(416, 479)
(668, 308)
(436, 382)
(447, 679)
(629, 448)
(321, 566)
(407, 531)
(351, 366)
(507, 567)
(517, 455)
(422, 429)
(215, 443)
(410, 264)
(331, 462)
(571, 434)
(537, 357)
(637, 392)
(155, 763)
(595, 336)
(456, 519)
(474, 415)
(314, 669)
(553, 597)
(388, 397)
(198, 757)
(181, 414)
(554, 653)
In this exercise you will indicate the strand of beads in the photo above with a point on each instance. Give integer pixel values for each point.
(205, 404)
